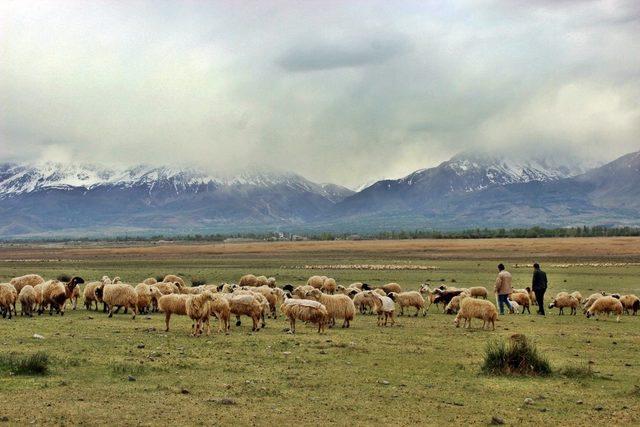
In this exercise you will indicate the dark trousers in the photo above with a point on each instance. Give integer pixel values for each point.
(540, 298)
(502, 301)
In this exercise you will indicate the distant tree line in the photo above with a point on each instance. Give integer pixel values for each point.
(475, 233)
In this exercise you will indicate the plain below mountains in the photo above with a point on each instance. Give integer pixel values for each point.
(470, 190)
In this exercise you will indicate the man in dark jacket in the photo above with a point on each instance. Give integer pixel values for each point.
(539, 286)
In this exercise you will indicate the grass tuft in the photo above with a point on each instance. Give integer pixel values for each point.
(577, 372)
(518, 357)
(18, 364)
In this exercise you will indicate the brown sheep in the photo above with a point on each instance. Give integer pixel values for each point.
(56, 293)
(338, 306)
(329, 286)
(8, 297)
(220, 308)
(197, 308)
(119, 295)
(144, 297)
(316, 281)
(630, 303)
(471, 308)
(247, 305)
(305, 310)
(28, 300)
(606, 304)
(150, 281)
(172, 304)
(172, 278)
(522, 298)
(409, 299)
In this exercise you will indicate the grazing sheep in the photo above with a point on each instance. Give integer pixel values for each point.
(363, 300)
(454, 305)
(471, 308)
(220, 308)
(144, 297)
(478, 292)
(172, 304)
(8, 297)
(198, 310)
(577, 295)
(28, 300)
(522, 298)
(606, 304)
(630, 303)
(28, 279)
(338, 306)
(264, 303)
(56, 293)
(316, 281)
(247, 305)
(564, 300)
(39, 288)
(272, 296)
(306, 311)
(90, 296)
(409, 299)
(445, 296)
(384, 308)
(150, 281)
(591, 299)
(329, 286)
(119, 295)
(172, 278)
(430, 295)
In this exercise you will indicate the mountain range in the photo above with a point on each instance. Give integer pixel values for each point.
(472, 189)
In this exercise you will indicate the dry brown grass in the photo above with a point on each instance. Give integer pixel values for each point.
(567, 249)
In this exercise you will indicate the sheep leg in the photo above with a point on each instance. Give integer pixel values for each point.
(167, 317)
(238, 323)
(135, 311)
(292, 325)
(417, 311)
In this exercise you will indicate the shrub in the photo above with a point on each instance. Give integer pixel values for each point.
(198, 281)
(34, 364)
(63, 277)
(519, 357)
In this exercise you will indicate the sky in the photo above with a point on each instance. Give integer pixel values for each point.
(338, 91)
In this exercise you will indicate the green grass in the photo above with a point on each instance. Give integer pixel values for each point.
(19, 364)
(517, 357)
(423, 371)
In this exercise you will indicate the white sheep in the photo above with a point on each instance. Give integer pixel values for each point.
(606, 304)
(409, 299)
(471, 308)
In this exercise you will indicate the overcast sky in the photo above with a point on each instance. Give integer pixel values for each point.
(339, 91)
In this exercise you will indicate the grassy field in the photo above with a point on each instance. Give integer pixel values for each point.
(423, 371)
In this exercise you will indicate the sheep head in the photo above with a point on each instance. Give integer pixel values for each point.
(366, 287)
(288, 287)
(392, 295)
(314, 294)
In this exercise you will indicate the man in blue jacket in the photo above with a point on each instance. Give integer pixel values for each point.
(539, 286)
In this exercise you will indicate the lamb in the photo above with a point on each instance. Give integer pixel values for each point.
(478, 292)
(197, 308)
(515, 306)
(409, 299)
(606, 304)
(220, 308)
(329, 286)
(305, 310)
(522, 298)
(172, 278)
(316, 281)
(564, 300)
(74, 297)
(56, 293)
(338, 306)
(431, 295)
(172, 304)
(90, 296)
(630, 302)
(384, 308)
(8, 297)
(144, 300)
(28, 300)
(471, 308)
(22, 281)
(119, 295)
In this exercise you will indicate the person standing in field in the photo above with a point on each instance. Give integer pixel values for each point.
(539, 286)
(503, 288)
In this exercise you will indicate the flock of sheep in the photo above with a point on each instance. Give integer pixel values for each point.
(320, 302)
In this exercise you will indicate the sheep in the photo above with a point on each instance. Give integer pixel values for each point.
(445, 296)
(630, 302)
(586, 304)
(247, 305)
(515, 306)
(305, 310)
(409, 299)
(38, 290)
(172, 304)
(316, 281)
(478, 292)
(28, 300)
(172, 278)
(116, 280)
(119, 295)
(272, 296)
(329, 286)
(338, 306)
(74, 297)
(454, 304)
(167, 288)
(532, 296)
(606, 304)
(227, 287)
(90, 295)
(28, 279)
(8, 297)
(431, 295)
(198, 310)
(522, 298)
(248, 280)
(56, 293)
(389, 287)
(155, 296)
(577, 295)
(363, 300)
(384, 308)
(301, 291)
(564, 300)
(150, 281)
(220, 308)
(349, 289)
(472, 308)
(144, 300)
